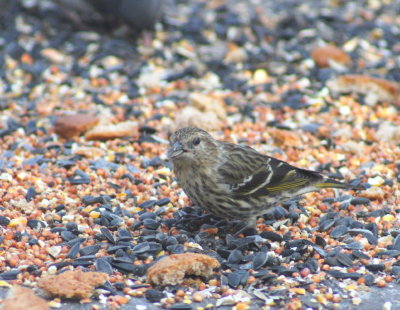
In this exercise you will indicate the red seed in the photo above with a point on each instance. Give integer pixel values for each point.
(305, 272)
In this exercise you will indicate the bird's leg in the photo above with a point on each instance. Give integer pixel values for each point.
(248, 224)
(252, 222)
(222, 222)
(147, 38)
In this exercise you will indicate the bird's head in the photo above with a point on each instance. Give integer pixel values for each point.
(192, 145)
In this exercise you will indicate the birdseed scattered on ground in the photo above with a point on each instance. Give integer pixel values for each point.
(106, 200)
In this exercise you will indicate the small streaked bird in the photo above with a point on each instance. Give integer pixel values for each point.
(234, 181)
(140, 15)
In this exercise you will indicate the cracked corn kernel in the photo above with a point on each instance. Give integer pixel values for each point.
(18, 221)
(242, 306)
(197, 297)
(299, 290)
(356, 301)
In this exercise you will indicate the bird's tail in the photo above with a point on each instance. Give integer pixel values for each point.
(331, 183)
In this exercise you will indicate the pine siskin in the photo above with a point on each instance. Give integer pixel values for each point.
(235, 181)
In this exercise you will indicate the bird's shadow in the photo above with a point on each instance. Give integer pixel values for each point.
(192, 220)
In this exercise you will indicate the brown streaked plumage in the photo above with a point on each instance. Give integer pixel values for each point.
(235, 181)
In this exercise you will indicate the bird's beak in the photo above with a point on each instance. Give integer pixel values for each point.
(175, 150)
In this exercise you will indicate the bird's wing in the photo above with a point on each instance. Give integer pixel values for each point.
(249, 173)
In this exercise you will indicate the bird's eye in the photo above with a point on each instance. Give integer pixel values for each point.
(196, 141)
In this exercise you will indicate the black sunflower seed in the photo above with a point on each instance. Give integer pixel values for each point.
(170, 241)
(236, 278)
(67, 235)
(74, 250)
(60, 207)
(107, 234)
(390, 253)
(154, 295)
(160, 210)
(375, 267)
(369, 280)
(124, 267)
(339, 231)
(147, 215)
(342, 275)
(86, 258)
(37, 160)
(320, 241)
(354, 246)
(61, 265)
(147, 204)
(4, 221)
(116, 248)
(181, 307)
(91, 200)
(36, 224)
(235, 257)
(163, 201)
(148, 233)
(107, 286)
(80, 177)
(151, 247)
(359, 254)
(376, 213)
(396, 243)
(346, 221)
(182, 238)
(259, 260)
(356, 225)
(344, 259)
(373, 228)
(82, 263)
(123, 259)
(176, 248)
(10, 275)
(312, 264)
(264, 275)
(288, 272)
(332, 261)
(224, 253)
(249, 231)
(120, 286)
(90, 250)
(66, 163)
(75, 240)
(395, 232)
(151, 224)
(360, 201)
(372, 239)
(110, 219)
(326, 224)
(72, 227)
(102, 265)
(271, 236)
(30, 194)
(146, 237)
(396, 270)
(124, 235)
(287, 252)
